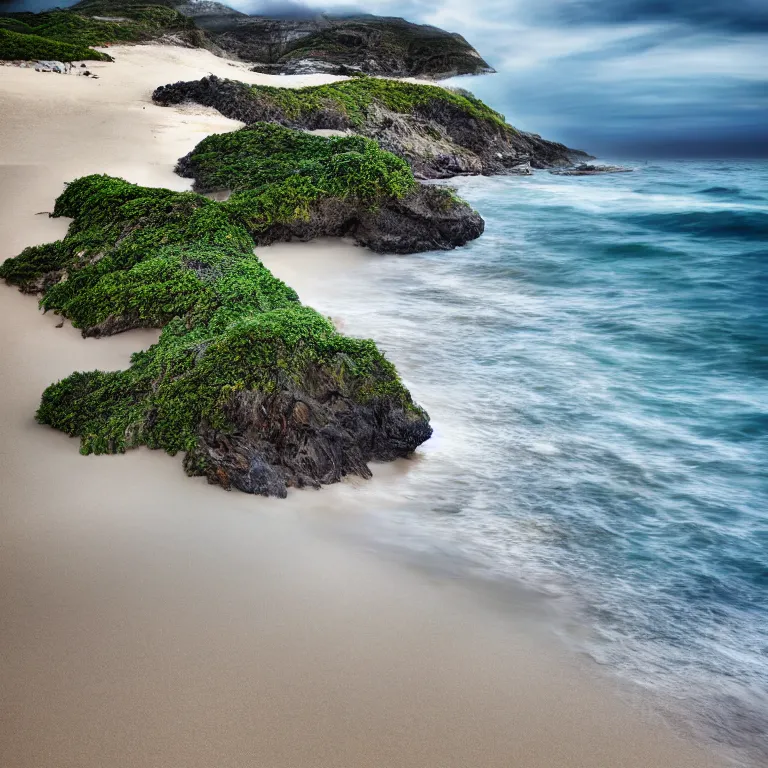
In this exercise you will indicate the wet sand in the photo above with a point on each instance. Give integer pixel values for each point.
(152, 620)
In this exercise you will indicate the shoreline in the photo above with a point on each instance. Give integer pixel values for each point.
(151, 618)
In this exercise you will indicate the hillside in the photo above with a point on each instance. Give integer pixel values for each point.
(24, 45)
(337, 44)
(343, 45)
(69, 34)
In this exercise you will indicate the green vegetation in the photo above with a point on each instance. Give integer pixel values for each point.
(27, 47)
(301, 167)
(278, 174)
(137, 256)
(354, 98)
(66, 35)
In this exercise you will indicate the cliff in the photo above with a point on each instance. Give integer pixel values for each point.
(337, 45)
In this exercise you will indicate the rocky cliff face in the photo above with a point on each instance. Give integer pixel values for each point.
(310, 43)
(321, 43)
(440, 133)
(334, 44)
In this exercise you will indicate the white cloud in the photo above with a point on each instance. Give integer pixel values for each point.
(692, 58)
(541, 47)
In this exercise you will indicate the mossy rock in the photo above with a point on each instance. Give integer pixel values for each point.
(288, 184)
(439, 132)
(263, 153)
(260, 392)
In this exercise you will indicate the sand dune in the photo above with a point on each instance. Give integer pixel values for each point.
(151, 620)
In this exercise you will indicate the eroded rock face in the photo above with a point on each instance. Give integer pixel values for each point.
(337, 45)
(437, 137)
(302, 438)
(412, 225)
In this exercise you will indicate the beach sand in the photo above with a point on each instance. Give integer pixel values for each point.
(151, 620)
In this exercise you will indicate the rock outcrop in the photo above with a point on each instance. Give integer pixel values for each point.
(429, 218)
(312, 43)
(260, 392)
(338, 45)
(343, 186)
(439, 132)
(586, 169)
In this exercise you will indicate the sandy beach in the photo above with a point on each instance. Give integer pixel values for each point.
(152, 620)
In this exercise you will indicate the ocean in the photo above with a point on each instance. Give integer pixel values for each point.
(596, 370)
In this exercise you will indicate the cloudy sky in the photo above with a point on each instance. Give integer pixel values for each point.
(636, 78)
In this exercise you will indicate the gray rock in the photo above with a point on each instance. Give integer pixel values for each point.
(51, 66)
(584, 169)
(320, 42)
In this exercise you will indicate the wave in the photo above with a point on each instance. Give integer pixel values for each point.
(729, 193)
(743, 225)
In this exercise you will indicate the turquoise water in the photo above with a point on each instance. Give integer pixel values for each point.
(596, 367)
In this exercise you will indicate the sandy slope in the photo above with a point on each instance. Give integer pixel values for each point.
(151, 620)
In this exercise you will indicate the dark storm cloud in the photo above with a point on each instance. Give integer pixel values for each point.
(14, 6)
(741, 16)
(291, 9)
(632, 78)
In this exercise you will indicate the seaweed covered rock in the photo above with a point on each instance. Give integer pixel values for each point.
(260, 392)
(439, 132)
(339, 186)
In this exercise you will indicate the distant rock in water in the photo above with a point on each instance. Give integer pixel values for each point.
(318, 42)
(584, 169)
(439, 132)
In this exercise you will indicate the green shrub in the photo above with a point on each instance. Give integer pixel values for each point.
(66, 35)
(15, 46)
(355, 97)
(280, 172)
